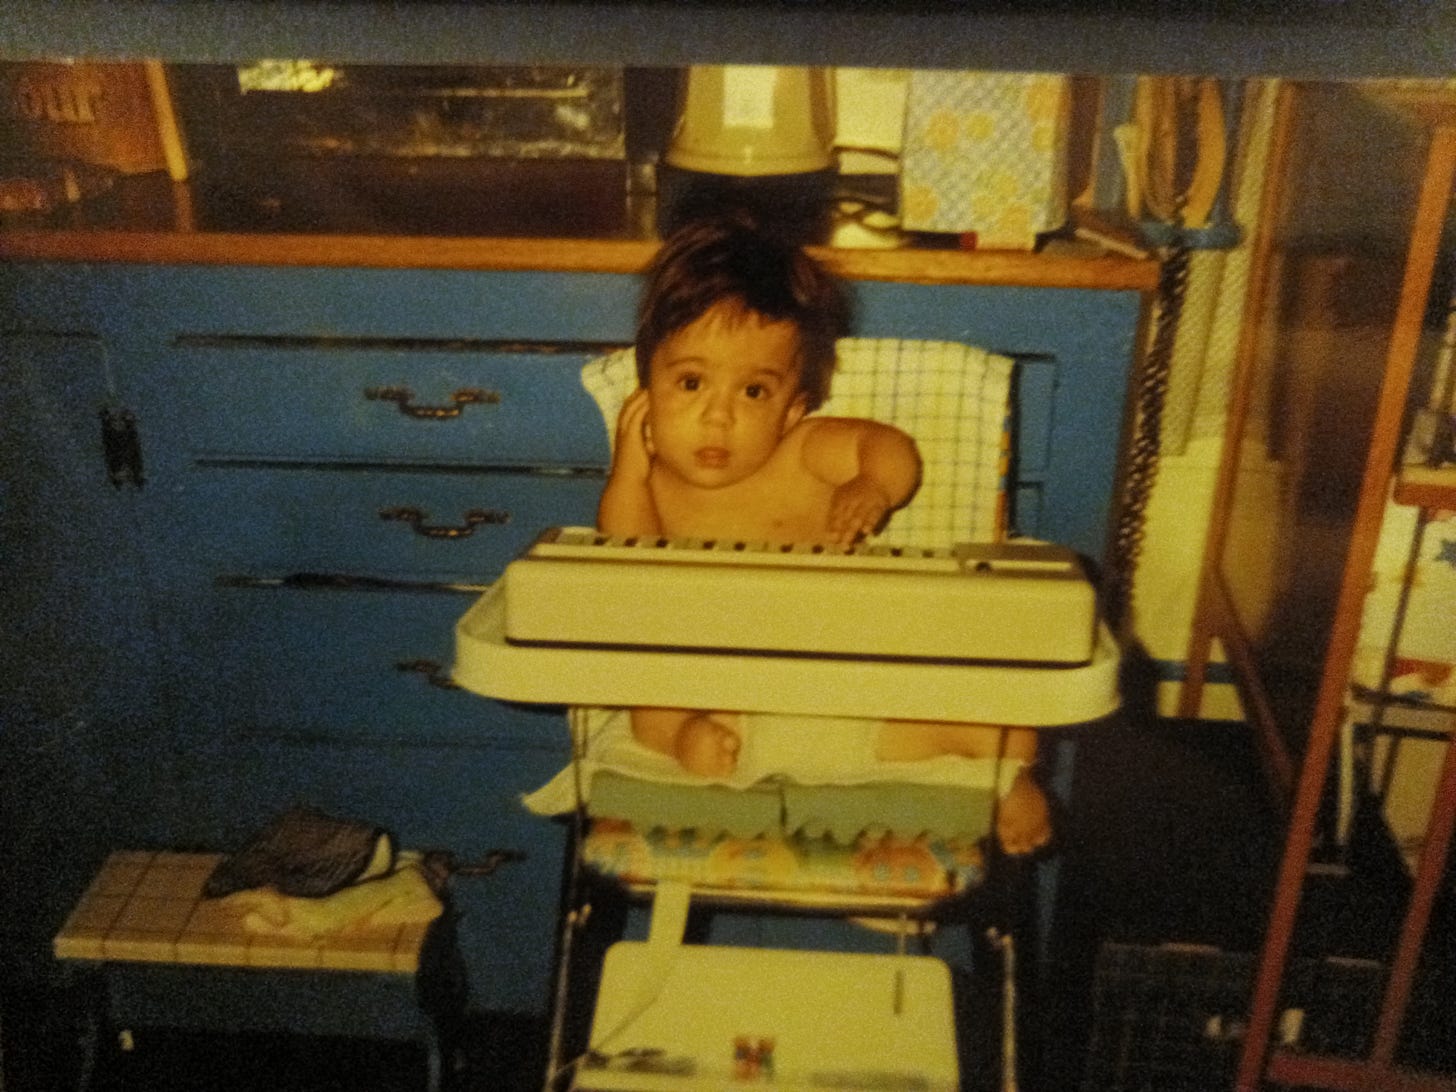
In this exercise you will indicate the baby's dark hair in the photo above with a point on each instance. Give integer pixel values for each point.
(729, 259)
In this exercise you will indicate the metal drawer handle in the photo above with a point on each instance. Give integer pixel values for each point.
(404, 397)
(433, 672)
(416, 517)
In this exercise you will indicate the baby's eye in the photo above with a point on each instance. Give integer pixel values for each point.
(756, 391)
(689, 382)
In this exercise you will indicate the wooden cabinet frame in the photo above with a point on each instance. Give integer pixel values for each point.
(1297, 774)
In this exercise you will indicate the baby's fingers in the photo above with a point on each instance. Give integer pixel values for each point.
(632, 429)
(860, 517)
(633, 411)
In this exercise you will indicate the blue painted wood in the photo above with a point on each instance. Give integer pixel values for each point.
(237, 674)
(460, 798)
(158, 302)
(1033, 390)
(330, 403)
(323, 666)
(1088, 334)
(69, 537)
(76, 718)
(240, 701)
(284, 520)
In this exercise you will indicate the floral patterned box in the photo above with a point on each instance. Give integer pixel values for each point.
(985, 152)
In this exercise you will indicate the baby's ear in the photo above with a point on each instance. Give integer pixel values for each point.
(797, 408)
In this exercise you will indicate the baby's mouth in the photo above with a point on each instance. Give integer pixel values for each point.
(712, 458)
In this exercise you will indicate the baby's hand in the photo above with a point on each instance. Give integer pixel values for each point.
(706, 747)
(856, 509)
(633, 456)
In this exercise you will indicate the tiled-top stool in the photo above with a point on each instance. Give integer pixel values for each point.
(170, 958)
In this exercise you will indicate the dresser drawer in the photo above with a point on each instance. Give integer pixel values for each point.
(353, 667)
(460, 526)
(314, 401)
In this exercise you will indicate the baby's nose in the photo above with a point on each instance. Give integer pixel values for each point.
(718, 408)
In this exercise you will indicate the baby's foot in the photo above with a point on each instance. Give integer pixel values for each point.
(1024, 819)
(707, 747)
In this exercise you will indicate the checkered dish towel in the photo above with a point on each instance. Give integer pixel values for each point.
(952, 398)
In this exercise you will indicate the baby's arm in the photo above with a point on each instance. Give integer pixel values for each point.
(626, 507)
(874, 468)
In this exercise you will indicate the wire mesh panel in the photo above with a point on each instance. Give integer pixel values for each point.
(1172, 1018)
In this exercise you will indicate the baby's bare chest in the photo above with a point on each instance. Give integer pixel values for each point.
(772, 506)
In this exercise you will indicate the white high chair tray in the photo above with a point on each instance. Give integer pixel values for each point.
(1030, 695)
(837, 1020)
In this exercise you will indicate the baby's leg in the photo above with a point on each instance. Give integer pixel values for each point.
(1023, 819)
(703, 743)
(913, 740)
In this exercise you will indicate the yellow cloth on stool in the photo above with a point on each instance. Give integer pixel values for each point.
(401, 897)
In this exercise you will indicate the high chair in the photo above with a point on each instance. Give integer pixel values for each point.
(903, 845)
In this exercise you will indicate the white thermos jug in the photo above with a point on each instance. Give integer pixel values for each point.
(754, 120)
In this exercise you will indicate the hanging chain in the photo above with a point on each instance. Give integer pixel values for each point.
(1141, 469)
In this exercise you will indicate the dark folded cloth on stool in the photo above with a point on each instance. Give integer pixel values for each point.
(306, 853)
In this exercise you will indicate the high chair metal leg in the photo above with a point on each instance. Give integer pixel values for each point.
(1007, 948)
(555, 1069)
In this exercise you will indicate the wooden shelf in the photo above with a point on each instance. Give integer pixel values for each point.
(1426, 486)
(1063, 266)
(316, 220)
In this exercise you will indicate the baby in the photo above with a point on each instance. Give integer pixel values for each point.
(735, 348)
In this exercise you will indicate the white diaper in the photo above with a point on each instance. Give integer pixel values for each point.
(810, 750)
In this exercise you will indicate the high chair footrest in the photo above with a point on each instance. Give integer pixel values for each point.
(699, 1016)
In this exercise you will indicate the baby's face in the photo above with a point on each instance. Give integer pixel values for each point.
(723, 390)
